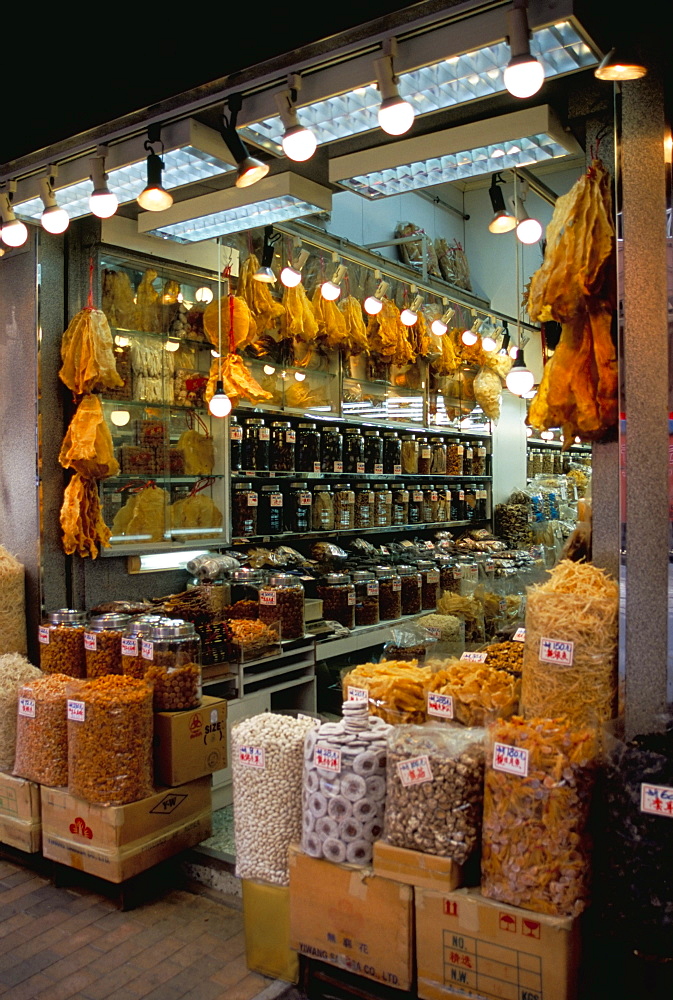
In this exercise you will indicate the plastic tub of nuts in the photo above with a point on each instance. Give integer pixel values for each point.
(61, 639)
(102, 644)
(42, 730)
(172, 652)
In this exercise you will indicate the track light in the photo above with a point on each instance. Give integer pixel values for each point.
(504, 347)
(204, 294)
(439, 326)
(527, 230)
(374, 303)
(620, 65)
(547, 435)
(154, 198)
(488, 341)
(102, 201)
(264, 273)
(331, 290)
(171, 345)
(13, 232)
(409, 316)
(220, 404)
(524, 74)
(519, 378)
(396, 116)
(470, 337)
(54, 219)
(298, 143)
(249, 169)
(502, 221)
(291, 274)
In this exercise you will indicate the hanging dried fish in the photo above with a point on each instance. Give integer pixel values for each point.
(299, 320)
(265, 311)
(87, 353)
(237, 381)
(87, 446)
(238, 334)
(84, 530)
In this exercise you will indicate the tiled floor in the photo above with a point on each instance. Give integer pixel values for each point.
(73, 944)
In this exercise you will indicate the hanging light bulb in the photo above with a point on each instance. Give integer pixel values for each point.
(528, 230)
(121, 341)
(264, 273)
(524, 74)
(298, 142)
(620, 65)
(373, 304)
(120, 418)
(154, 197)
(441, 325)
(331, 290)
(547, 435)
(502, 221)
(519, 378)
(204, 294)
(529, 432)
(102, 202)
(488, 344)
(171, 345)
(470, 337)
(409, 316)
(220, 404)
(214, 353)
(54, 219)
(269, 370)
(249, 169)
(300, 376)
(396, 116)
(291, 274)
(13, 232)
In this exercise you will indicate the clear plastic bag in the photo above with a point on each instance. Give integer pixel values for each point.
(477, 693)
(395, 689)
(409, 642)
(42, 730)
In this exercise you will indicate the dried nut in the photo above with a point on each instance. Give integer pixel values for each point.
(64, 653)
(42, 738)
(106, 658)
(288, 610)
(176, 688)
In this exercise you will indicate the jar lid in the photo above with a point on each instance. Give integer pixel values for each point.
(285, 580)
(390, 434)
(352, 430)
(340, 487)
(67, 616)
(337, 578)
(385, 571)
(362, 576)
(371, 433)
(380, 486)
(255, 421)
(441, 440)
(425, 564)
(245, 575)
(323, 488)
(409, 437)
(172, 628)
(242, 486)
(281, 423)
(271, 489)
(405, 570)
(112, 620)
(333, 430)
(298, 486)
(144, 623)
(306, 427)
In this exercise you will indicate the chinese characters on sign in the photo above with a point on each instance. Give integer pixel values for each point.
(251, 756)
(519, 635)
(414, 772)
(327, 759)
(474, 657)
(556, 651)
(511, 759)
(358, 694)
(657, 800)
(440, 705)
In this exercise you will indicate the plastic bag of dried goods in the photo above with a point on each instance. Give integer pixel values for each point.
(409, 642)
(470, 692)
(42, 730)
(394, 689)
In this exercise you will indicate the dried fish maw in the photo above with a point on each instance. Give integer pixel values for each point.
(144, 514)
(81, 520)
(244, 326)
(266, 312)
(605, 354)
(119, 303)
(387, 335)
(87, 353)
(331, 323)
(198, 453)
(87, 446)
(299, 320)
(148, 315)
(356, 331)
(237, 381)
(195, 511)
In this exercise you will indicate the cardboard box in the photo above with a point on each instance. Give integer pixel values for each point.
(116, 842)
(427, 871)
(20, 818)
(189, 744)
(349, 917)
(469, 945)
(266, 924)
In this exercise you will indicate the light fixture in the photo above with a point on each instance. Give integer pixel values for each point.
(523, 137)
(214, 353)
(54, 219)
(154, 197)
(528, 230)
(529, 430)
(524, 74)
(276, 198)
(171, 345)
(121, 341)
(502, 221)
(204, 294)
(220, 404)
(620, 65)
(264, 272)
(248, 169)
(331, 289)
(409, 316)
(103, 203)
(531, 394)
(519, 378)
(120, 418)
(13, 232)
(269, 370)
(504, 347)
(470, 337)
(300, 376)
(488, 344)
(439, 326)
(395, 115)
(547, 435)
(578, 440)
(291, 274)
(298, 143)
(373, 304)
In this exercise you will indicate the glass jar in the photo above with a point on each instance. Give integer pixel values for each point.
(235, 442)
(322, 510)
(558, 463)
(255, 445)
(354, 450)
(415, 508)
(331, 450)
(270, 511)
(244, 504)
(430, 505)
(458, 504)
(383, 506)
(424, 456)
(392, 454)
(537, 462)
(547, 463)
(481, 510)
(172, 652)
(133, 664)
(364, 507)
(429, 585)
(245, 586)
(282, 601)
(283, 440)
(443, 505)
(411, 589)
(338, 599)
(454, 459)
(450, 575)
(344, 506)
(373, 453)
(400, 506)
(409, 455)
(530, 463)
(61, 639)
(390, 593)
(307, 455)
(102, 644)
(438, 459)
(298, 508)
(470, 493)
(366, 598)
(479, 459)
(468, 452)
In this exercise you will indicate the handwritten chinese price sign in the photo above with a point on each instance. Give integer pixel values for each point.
(440, 705)
(414, 772)
(556, 651)
(510, 759)
(251, 756)
(328, 759)
(657, 800)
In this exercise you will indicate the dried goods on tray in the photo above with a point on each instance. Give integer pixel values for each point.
(396, 691)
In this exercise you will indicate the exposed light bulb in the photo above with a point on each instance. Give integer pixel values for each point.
(204, 294)
(120, 417)
(488, 344)
(547, 435)
(469, 338)
(300, 376)
(55, 220)
(155, 199)
(214, 353)
(299, 143)
(373, 306)
(220, 404)
(513, 351)
(408, 317)
(269, 370)
(578, 440)
(529, 432)
(502, 222)
(524, 76)
(519, 378)
(14, 233)
(121, 341)
(330, 291)
(438, 327)
(290, 277)
(396, 116)
(528, 231)
(102, 202)
(171, 345)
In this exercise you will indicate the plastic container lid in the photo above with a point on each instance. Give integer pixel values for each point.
(281, 423)
(405, 570)
(143, 624)
(113, 621)
(363, 576)
(67, 616)
(336, 578)
(174, 628)
(242, 486)
(307, 427)
(285, 580)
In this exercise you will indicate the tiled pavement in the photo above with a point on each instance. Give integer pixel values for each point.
(73, 944)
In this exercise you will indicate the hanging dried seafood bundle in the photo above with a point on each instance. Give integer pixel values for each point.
(144, 513)
(238, 325)
(195, 511)
(331, 322)
(387, 336)
(147, 297)
(119, 304)
(87, 353)
(266, 312)
(237, 381)
(356, 331)
(84, 530)
(487, 392)
(87, 446)
(299, 320)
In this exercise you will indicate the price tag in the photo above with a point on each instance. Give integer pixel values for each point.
(305, 500)
(440, 705)
(327, 759)
(276, 499)
(426, 452)
(267, 598)
(76, 711)
(435, 632)
(429, 545)
(417, 495)
(461, 495)
(317, 467)
(474, 657)
(510, 759)
(359, 466)
(373, 588)
(481, 452)
(397, 584)
(357, 694)
(407, 544)
(27, 707)
(90, 642)
(291, 437)
(338, 467)
(489, 566)
(414, 772)
(351, 598)
(43, 634)
(236, 433)
(384, 551)
(378, 469)
(129, 647)
(388, 499)
(433, 576)
(457, 574)
(252, 500)
(147, 650)
(251, 756)
(460, 450)
(519, 635)
(397, 470)
(556, 651)
(264, 434)
(656, 800)
(434, 496)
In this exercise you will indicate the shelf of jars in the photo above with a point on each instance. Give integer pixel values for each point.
(395, 529)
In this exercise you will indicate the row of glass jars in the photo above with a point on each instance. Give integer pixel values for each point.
(385, 593)
(545, 463)
(270, 510)
(257, 446)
